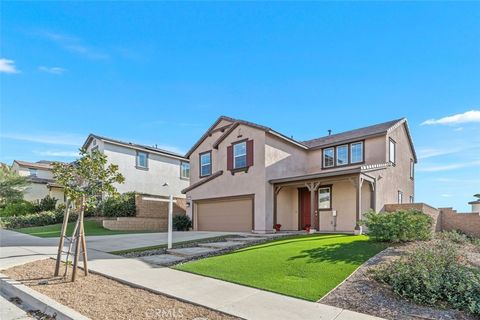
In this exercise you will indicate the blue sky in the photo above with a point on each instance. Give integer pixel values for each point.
(161, 73)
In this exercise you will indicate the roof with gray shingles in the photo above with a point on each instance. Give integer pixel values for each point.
(356, 134)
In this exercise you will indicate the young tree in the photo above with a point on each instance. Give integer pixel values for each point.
(85, 182)
(12, 185)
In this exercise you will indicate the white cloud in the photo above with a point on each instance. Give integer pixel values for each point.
(469, 116)
(447, 167)
(446, 195)
(52, 70)
(7, 66)
(52, 153)
(73, 44)
(424, 153)
(54, 138)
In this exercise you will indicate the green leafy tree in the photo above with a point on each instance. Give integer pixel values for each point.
(89, 178)
(86, 181)
(12, 185)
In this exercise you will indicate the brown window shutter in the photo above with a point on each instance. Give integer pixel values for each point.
(230, 158)
(249, 153)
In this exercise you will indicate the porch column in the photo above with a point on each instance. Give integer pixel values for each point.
(312, 187)
(276, 191)
(358, 187)
(373, 196)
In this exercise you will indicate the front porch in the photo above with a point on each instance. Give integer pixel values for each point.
(328, 203)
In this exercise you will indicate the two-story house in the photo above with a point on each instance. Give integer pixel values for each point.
(147, 170)
(248, 177)
(41, 181)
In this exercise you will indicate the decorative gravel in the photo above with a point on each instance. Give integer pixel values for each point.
(98, 297)
(363, 294)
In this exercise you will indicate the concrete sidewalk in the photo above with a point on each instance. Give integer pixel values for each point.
(238, 300)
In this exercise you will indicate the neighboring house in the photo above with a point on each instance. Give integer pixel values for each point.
(246, 176)
(40, 178)
(147, 170)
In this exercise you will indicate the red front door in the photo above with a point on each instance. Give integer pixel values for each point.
(304, 198)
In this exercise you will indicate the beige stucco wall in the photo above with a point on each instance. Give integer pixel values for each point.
(287, 208)
(24, 171)
(242, 183)
(161, 170)
(35, 191)
(395, 178)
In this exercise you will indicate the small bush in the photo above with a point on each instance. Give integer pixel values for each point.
(35, 220)
(433, 274)
(17, 208)
(182, 222)
(454, 236)
(46, 204)
(121, 206)
(399, 226)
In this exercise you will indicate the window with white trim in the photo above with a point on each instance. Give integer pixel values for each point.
(184, 170)
(328, 157)
(412, 200)
(206, 164)
(356, 152)
(32, 171)
(412, 169)
(142, 160)
(324, 198)
(400, 197)
(240, 155)
(342, 155)
(392, 152)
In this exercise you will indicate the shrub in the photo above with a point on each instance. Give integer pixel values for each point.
(46, 204)
(454, 236)
(121, 206)
(35, 219)
(182, 222)
(17, 208)
(432, 274)
(399, 226)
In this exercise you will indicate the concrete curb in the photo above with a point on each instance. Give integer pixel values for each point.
(37, 301)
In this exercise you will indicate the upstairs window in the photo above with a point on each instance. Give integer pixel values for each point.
(356, 152)
(412, 169)
(392, 152)
(142, 160)
(240, 155)
(342, 155)
(184, 170)
(412, 199)
(205, 164)
(33, 172)
(328, 157)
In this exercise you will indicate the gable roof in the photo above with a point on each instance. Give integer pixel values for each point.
(325, 141)
(42, 164)
(133, 146)
(355, 134)
(233, 124)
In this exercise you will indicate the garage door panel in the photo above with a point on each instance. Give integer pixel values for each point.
(225, 215)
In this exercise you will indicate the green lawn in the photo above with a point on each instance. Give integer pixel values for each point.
(92, 228)
(306, 267)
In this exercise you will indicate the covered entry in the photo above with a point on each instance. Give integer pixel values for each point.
(224, 214)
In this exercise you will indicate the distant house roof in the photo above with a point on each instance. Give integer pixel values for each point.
(134, 146)
(42, 164)
(347, 136)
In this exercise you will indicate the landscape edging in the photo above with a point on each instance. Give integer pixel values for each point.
(37, 301)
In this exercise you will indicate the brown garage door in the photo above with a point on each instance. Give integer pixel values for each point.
(232, 214)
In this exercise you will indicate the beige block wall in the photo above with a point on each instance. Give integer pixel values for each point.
(467, 222)
(150, 207)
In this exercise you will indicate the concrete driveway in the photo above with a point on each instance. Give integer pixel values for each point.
(138, 240)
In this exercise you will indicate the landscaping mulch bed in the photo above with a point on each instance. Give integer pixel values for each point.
(363, 294)
(98, 297)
